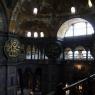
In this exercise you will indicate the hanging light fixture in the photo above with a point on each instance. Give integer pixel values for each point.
(35, 11)
(73, 10)
(90, 3)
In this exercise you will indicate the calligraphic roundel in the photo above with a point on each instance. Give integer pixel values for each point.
(12, 48)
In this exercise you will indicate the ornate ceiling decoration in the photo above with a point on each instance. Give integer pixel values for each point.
(48, 10)
(49, 6)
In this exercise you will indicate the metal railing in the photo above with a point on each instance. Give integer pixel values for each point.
(71, 89)
(87, 79)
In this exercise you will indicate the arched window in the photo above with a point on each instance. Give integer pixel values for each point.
(35, 52)
(79, 29)
(68, 53)
(84, 54)
(70, 31)
(89, 56)
(80, 53)
(28, 52)
(75, 27)
(76, 54)
(41, 34)
(28, 34)
(35, 34)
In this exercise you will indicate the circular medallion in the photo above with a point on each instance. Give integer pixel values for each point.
(12, 48)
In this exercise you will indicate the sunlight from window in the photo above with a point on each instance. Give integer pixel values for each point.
(89, 55)
(28, 55)
(68, 54)
(41, 34)
(79, 29)
(35, 34)
(90, 3)
(75, 27)
(28, 34)
(35, 11)
(73, 10)
(90, 29)
(70, 32)
(78, 56)
(28, 52)
(76, 53)
(84, 53)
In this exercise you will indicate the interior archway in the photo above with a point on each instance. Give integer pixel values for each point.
(75, 27)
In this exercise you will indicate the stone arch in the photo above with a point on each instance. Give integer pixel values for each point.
(66, 25)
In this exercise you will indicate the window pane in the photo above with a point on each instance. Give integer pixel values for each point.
(28, 34)
(28, 52)
(68, 54)
(76, 55)
(69, 32)
(90, 29)
(41, 34)
(35, 34)
(80, 29)
(89, 55)
(28, 55)
(83, 54)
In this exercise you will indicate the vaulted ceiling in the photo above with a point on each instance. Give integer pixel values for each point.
(58, 6)
(21, 11)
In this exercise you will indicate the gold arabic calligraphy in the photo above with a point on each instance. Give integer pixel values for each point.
(12, 48)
